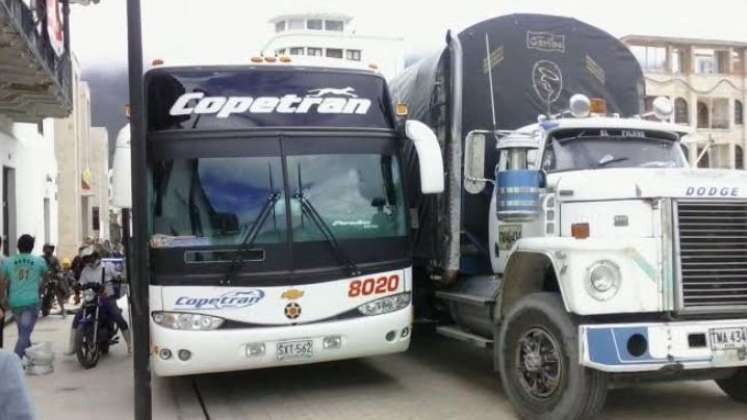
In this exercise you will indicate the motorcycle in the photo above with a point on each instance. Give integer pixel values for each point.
(55, 288)
(94, 333)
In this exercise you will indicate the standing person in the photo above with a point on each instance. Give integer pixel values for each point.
(24, 275)
(61, 290)
(77, 267)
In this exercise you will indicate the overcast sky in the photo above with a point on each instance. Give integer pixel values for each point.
(211, 31)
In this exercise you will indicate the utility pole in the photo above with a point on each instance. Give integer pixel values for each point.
(138, 274)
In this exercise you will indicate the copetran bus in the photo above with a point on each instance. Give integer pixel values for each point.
(279, 226)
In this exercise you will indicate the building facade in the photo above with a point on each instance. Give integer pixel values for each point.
(35, 86)
(82, 152)
(707, 84)
(332, 35)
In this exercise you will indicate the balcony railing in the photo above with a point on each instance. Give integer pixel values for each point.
(35, 82)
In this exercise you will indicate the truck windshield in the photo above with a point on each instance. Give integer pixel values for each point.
(593, 152)
(215, 201)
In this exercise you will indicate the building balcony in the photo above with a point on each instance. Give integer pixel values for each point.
(35, 81)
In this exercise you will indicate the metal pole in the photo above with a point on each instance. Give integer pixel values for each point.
(138, 276)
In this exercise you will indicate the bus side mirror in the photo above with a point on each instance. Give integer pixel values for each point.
(429, 156)
(121, 170)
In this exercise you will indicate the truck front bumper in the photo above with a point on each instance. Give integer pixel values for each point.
(646, 347)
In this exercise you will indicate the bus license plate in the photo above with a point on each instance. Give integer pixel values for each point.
(728, 338)
(295, 349)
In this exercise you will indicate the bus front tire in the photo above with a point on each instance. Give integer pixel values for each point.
(538, 362)
(735, 386)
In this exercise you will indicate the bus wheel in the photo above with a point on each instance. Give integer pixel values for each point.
(538, 361)
(735, 386)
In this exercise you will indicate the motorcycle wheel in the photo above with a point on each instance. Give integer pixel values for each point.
(86, 350)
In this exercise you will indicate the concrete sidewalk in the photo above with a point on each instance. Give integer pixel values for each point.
(74, 393)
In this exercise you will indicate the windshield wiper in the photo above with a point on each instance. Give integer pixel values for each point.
(237, 261)
(607, 162)
(311, 212)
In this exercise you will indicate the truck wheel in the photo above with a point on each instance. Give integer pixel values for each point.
(538, 358)
(736, 386)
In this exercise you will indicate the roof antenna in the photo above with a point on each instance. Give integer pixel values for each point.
(489, 65)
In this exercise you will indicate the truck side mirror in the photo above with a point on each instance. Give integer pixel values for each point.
(429, 156)
(474, 162)
(121, 170)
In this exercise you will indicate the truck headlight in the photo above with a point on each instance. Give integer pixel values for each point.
(603, 280)
(184, 321)
(385, 305)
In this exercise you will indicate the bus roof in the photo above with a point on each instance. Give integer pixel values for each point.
(281, 61)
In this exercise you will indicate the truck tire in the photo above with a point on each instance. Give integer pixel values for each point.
(542, 377)
(736, 386)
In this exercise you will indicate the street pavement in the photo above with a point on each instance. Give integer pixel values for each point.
(437, 379)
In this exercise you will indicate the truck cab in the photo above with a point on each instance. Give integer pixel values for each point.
(602, 234)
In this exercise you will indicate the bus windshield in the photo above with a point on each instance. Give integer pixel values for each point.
(216, 201)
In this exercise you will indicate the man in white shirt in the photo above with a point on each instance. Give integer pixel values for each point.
(97, 272)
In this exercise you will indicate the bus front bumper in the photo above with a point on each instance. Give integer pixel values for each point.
(251, 348)
(680, 345)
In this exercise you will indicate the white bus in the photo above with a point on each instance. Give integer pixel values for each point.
(278, 220)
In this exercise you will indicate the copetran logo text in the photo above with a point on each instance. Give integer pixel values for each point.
(230, 300)
(321, 101)
(712, 192)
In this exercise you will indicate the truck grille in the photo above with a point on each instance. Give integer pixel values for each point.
(713, 255)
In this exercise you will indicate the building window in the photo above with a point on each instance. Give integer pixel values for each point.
(280, 51)
(704, 161)
(296, 50)
(651, 58)
(677, 60)
(333, 25)
(737, 65)
(314, 24)
(334, 52)
(738, 112)
(296, 24)
(738, 157)
(316, 52)
(703, 115)
(681, 114)
(354, 55)
(720, 113)
(708, 61)
(96, 219)
(280, 26)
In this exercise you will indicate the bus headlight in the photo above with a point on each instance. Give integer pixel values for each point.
(603, 280)
(183, 321)
(385, 304)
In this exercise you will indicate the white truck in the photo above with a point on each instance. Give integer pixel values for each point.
(590, 253)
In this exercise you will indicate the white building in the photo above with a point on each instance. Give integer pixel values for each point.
(707, 82)
(332, 34)
(29, 189)
(34, 87)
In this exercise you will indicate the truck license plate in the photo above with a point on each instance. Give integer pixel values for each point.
(295, 349)
(728, 338)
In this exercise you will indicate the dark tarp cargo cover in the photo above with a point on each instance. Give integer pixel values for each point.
(537, 63)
